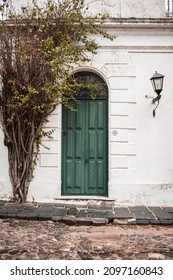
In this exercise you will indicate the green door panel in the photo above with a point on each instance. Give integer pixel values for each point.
(85, 148)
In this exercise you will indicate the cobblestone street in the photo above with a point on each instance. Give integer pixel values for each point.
(25, 239)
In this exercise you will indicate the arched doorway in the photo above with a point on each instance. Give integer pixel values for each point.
(85, 142)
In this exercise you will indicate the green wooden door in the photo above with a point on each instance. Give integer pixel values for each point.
(85, 148)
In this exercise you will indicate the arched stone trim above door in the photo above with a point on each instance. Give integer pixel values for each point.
(87, 78)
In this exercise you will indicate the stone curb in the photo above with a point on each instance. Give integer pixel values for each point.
(96, 214)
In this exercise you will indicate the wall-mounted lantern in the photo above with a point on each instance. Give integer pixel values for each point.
(157, 83)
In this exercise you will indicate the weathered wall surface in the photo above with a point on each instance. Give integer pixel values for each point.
(129, 8)
(121, 8)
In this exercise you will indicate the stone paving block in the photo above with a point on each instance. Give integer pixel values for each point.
(59, 204)
(27, 210)
(21, 207)
(138, 208)
(12, 204)
(94, 213)
(91, 204)
(99, 222)
(81, 212)
(59, 211)
(141, 213)
(166, 222)
(171, 214)
(56, 218)
(46, 209)
(72, 210)
(106, 203)
(69, 220)
(3, 214)
(168, 209)
(131, 221)
(120, 222)
(46, 215)
(8, 210)
(161, 214)
(11, 215)
(142, 221)
(77, 205)
(31, 215)
(122, 213)
(109, 214)
(101, 206)
(45, 205)
(22, 215)
(154, 222)
(82, 221)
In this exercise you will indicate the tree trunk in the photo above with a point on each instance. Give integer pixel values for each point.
(20, 172)
(21, 160)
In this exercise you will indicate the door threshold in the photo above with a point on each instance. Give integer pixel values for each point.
(83, 198)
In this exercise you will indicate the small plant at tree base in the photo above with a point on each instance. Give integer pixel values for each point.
(38, 49)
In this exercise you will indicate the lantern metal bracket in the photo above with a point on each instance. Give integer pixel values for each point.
(156, 99)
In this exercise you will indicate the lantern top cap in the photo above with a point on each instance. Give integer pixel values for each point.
(157, 76)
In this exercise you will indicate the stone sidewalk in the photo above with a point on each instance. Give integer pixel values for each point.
(89, 212)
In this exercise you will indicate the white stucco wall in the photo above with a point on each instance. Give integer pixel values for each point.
(140, 147)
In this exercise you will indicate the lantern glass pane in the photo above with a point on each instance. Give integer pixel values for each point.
(153, 84)
(158, 83)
